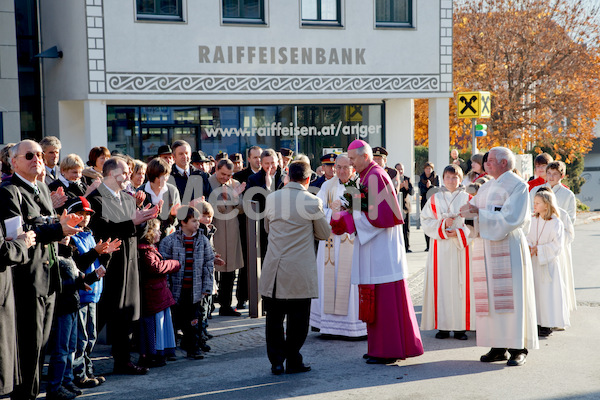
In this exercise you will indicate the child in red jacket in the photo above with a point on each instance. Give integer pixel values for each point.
(157, 338)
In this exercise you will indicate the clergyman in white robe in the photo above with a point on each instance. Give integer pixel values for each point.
(506, 316)
(335, 311)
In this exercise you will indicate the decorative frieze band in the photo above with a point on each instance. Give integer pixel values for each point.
(269, 84)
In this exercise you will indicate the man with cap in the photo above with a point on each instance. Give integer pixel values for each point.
(238, 162)
(200, 161)
(379, 263)
(380, 157)
(286, 157)
(328, 165)
(166, 154)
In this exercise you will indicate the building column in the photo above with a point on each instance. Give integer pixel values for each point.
(82, 125)
(400, 134)
(439, 133)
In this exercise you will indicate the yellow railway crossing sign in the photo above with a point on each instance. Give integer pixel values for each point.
(474, 105)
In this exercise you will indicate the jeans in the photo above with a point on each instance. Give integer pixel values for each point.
(62, 351)
(86, 339)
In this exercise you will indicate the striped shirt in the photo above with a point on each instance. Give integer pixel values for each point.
(188, 270)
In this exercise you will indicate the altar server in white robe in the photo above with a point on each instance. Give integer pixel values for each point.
(448, 301)
(505, 314)
(565, 199)
(335, 311)
(545, 239)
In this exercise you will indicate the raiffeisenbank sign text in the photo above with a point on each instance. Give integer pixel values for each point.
(281, 55)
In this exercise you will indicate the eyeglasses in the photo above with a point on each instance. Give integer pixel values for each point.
(29, 155)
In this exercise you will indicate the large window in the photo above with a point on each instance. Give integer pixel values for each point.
(166, 10)
(244, 11)
(393, 13)
(140, 130)
(321, 12)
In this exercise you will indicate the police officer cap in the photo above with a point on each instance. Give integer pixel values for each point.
(379, 152)
(285, 152)
(237, 157)
(328, 159)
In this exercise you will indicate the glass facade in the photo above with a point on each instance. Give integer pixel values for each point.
(140, 130)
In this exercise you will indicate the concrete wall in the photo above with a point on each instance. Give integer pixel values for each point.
(9, 78)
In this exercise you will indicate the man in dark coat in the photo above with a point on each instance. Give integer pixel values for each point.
(254, 153)
(407, 190)
(380, 157)
(328, 165)
(265, 181)
(12, 252)
(35, 281)
(191, 182)
(120, 303)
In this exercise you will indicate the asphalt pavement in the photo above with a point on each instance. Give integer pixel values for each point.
(567, 365)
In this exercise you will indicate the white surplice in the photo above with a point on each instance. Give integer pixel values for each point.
(551, 304)
(504, 213)
(341, 325)
(448, 298)
(567, 260)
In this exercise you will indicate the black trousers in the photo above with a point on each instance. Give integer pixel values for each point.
(280, 346)
(34, 322)
(241, 292)
(226, 280)
(188, 317)
(406, 231)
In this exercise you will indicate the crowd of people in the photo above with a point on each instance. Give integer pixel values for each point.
(149, 249)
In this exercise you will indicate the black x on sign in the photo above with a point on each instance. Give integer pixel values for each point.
(474, 105)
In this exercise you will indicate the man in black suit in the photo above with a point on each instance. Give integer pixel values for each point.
(120, 303)
(51, 148)
(36, 281)
(260, 184)
(242, 176)
(191, 182)
(406, 189)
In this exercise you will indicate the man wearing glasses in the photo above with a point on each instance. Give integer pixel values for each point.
(36, 281)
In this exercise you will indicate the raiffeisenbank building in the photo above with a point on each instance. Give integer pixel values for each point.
(228, 74)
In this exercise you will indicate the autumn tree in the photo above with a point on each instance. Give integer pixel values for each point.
(540, 59)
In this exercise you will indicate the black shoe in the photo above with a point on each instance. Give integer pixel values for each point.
(72, 388)
(460, 335)
(204, 347)
(427, 249)
(544, 332)
(229, 312)
(366, 356)
(277, 369)
(517, 360)
(171, 358)
(194, 355)
(380, 360)
(408, 250)
(60, 394)
(494, 354)
(442, 335)
(297, 369)
(129, 369)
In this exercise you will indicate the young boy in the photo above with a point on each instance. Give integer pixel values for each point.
(540, 163)
(62, 349)
(194, 281)
(208, 230)
(71, 168)
(89, 256)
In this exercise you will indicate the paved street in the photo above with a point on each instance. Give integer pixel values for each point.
(567, 365)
